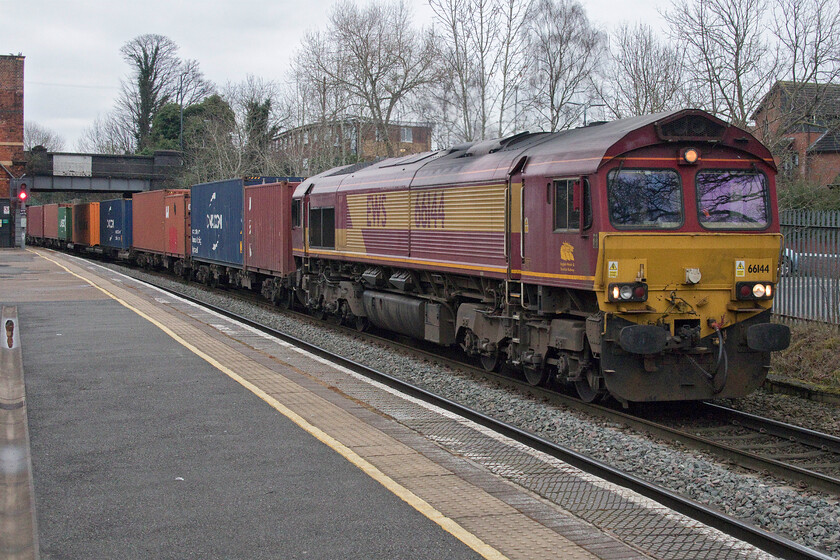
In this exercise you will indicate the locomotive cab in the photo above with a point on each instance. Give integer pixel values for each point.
(688, 266)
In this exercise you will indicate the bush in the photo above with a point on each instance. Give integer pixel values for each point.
(811, 356)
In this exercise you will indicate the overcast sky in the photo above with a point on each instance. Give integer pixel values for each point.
(73, 65)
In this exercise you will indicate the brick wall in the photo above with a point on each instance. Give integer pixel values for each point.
(11, 120)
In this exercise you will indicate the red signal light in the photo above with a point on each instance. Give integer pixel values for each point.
(22, 196)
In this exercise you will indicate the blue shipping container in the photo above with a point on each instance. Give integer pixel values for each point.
(115, 223)
(216, 214)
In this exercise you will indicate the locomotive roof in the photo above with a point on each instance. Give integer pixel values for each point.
(575, 152)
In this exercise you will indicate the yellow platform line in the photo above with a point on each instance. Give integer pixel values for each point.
(449, 525)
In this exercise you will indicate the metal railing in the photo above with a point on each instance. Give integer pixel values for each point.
(810, 282)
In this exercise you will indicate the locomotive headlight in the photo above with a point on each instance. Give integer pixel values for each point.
(636, 291)
(690, 156)
(753, 290)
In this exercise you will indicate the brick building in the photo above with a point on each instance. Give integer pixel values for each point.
(12, 162)
(801, 124)
(314, 147)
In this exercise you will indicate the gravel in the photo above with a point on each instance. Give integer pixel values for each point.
(807, 517)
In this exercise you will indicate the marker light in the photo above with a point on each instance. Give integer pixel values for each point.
(759, 290)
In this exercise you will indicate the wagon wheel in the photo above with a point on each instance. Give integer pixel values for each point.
(285, 298)
(491, 362)
(535, 375)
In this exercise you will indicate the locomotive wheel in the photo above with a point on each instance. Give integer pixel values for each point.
(535, 375)
(586, 391)
(491, 362)
(361, 324)
(287, 299)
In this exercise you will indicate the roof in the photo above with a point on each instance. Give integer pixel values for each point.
(803, 99)
(580, 151)
(828, 142)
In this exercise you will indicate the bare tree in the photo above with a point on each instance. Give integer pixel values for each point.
(565, 50)
(373, 53)
(808, 34)
(37, 135)
(512, 58)
(192, 86)
(643, 75)
(733, 64)
(107, 135)
(258, 119)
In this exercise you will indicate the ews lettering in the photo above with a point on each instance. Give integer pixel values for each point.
(429, 210)
(376, 214)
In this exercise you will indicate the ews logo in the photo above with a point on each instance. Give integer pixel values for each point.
(377, 216)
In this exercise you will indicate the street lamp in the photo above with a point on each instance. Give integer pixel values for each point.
(586, 107)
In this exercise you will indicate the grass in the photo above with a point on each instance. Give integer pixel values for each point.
(813, 355)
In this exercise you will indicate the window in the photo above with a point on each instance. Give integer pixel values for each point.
(565, 216)
(732, 199)
(322, 227)
(296, 212)
(645, 198)
(406, 134)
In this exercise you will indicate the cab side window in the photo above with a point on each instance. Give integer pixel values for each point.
(566, 216)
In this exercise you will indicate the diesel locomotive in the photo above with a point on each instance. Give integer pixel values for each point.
(636, 258)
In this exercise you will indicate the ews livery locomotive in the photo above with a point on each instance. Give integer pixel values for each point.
(637, 258)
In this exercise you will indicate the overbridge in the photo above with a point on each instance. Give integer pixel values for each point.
(100, 173)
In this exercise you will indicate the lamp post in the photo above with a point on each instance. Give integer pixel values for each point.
(181, 78)
(586, 107)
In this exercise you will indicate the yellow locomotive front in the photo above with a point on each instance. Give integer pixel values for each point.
(686, 279)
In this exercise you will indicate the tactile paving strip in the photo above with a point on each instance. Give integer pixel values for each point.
(634, 519)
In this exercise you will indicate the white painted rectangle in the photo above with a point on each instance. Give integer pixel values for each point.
(71, 166)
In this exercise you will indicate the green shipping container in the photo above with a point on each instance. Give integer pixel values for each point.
(65, 223)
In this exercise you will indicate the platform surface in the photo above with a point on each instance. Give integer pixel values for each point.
(160, 430)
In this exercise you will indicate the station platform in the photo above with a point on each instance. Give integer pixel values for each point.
(159, 429)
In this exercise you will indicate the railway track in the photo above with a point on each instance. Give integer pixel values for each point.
(773, 544)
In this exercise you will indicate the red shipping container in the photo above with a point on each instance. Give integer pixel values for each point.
(86, 224)
(177, 222)
(149, 220)
(35, 221)
(51, 221)
(268, 227)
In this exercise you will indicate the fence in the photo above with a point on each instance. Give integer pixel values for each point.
(810, 282)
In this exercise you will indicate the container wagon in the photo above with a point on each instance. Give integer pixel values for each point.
(115, 226)
(85, 225)
(65, 224)
(35, 224)
(216, 232)
(177, 225)
(268, 244)
(149, 237)
(51, 225)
